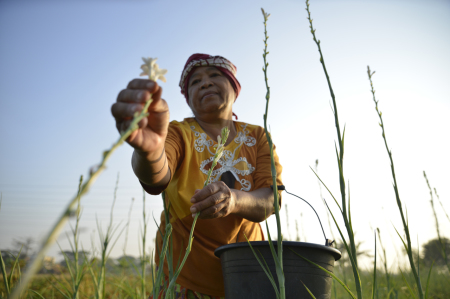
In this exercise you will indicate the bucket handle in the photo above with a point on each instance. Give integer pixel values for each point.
(328, 242)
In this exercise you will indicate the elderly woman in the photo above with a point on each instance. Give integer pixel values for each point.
(175, 157)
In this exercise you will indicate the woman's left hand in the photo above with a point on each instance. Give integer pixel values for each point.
(213, 201)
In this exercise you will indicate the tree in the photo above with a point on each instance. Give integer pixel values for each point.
(432, 251)
(25, 244)
(82, 255)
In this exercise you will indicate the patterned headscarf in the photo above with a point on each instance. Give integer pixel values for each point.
(223, 64)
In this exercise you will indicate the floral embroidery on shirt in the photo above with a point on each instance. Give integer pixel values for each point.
(202, 141)
(243, 138)
(227, 161)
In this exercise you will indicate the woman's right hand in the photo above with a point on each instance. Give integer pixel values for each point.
(152, 132)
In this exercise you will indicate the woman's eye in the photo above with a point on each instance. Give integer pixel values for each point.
(215, 74)
(194, 82)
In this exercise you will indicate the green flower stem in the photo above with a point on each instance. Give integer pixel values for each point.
(441, 242)
(170, 288)
(160, 275)
(340, 159)
(408, 245)
(276, 204)
(384, 261)
(217, 155)
(144, 238)
(55, 231)
(440, 202)
(106, 247)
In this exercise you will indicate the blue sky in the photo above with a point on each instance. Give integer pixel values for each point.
(62, 64)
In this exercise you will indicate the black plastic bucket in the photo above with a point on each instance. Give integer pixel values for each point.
(244, 278)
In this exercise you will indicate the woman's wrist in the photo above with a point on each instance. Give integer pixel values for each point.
(151, 168)
(235, 199)
(255, 205)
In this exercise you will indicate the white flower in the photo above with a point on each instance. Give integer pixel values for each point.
(152, 70)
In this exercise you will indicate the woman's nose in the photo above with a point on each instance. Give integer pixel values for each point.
(206, 83)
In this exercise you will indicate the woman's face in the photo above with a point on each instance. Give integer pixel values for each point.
(210, 92)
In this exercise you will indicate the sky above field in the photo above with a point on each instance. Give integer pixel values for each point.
(62, 64)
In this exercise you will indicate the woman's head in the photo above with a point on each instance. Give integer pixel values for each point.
(203, 74)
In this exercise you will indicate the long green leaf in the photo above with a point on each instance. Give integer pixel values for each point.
(160, 274)
(340, 160)
(153, 271)
(428, 280)
(374, 284)
(2, 263)
(342, 141)
(325, 270)
(159, 229)
(407, 284)
(335, 200)
(308, 290)
(350, 214)
(388, 296)
(265, 268)
(61, 292)
(279, 265)
(404, 244)
(349, 252)
(16, 262)
(178, 271)
(272, 248)
(36, 293)
(397, 195)
(5, 277)
(66, 259)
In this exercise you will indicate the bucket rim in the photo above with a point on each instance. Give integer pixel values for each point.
(336, 253)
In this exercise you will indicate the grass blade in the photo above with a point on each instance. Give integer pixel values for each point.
(2, 263)
(374, 284)
(265, 268)
(443, 246)
(67, 296)
(428, 280)
(5, 277)
(404, 244)
(276, 205)
(335, 200)
(328, 272)
(312, 296)
(408, 285)
(36, 293)
(442, 206)
(340, 160)
(160, 275)
(272, 248)
(408, 245)
(356, 273)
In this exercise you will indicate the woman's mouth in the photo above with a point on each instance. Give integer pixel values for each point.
(206, 96)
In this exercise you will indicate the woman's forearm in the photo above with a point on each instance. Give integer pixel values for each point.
(255, 206)
(151, 168)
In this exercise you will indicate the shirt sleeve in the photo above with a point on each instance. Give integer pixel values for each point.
(262, 177)
(174, 147)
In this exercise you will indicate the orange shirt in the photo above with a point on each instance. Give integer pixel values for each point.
(189, 153)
